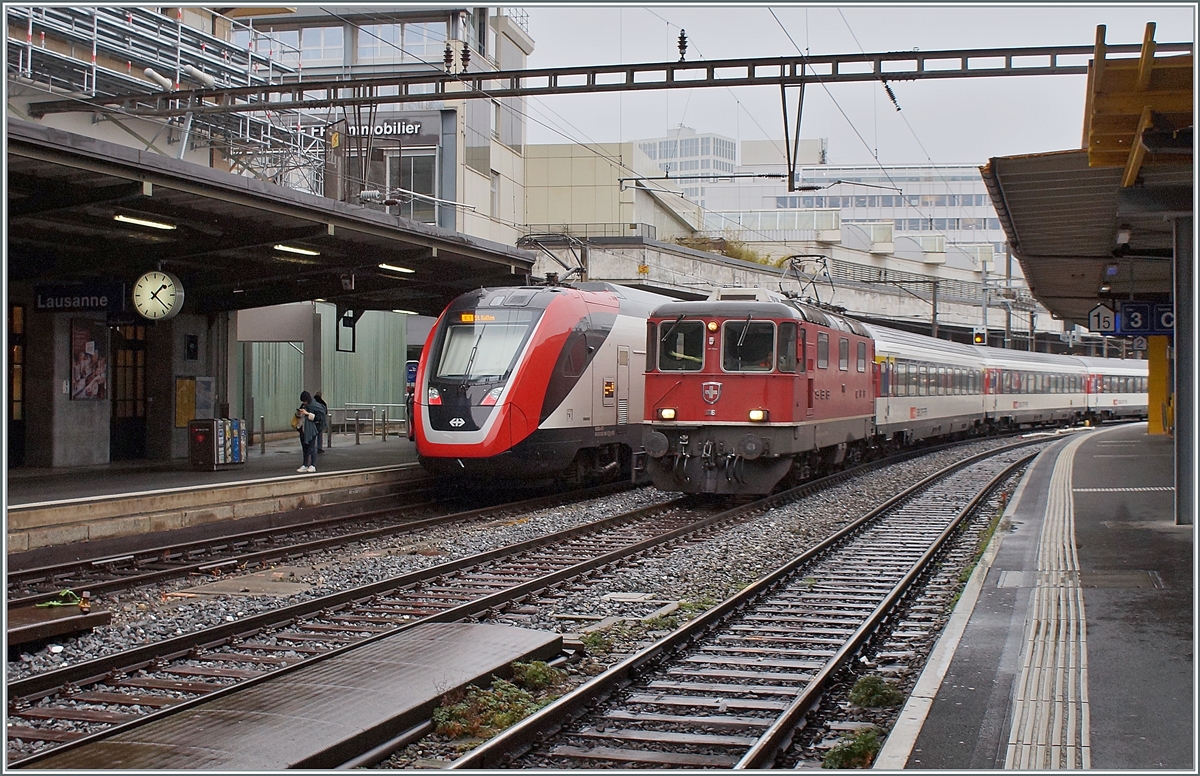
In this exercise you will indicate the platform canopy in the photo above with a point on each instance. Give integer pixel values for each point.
(1096, 224)
(219, 232)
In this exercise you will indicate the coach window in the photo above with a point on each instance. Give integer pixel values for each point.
(843, 354)
(787, 346)
(916, 380)
(941, 381)
(922, 380)
(748, 346)
(822, 350)
(899, 376)
(681, 346)
(1008, 382)
(862, 356)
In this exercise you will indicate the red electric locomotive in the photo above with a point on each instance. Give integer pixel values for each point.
(749, 387)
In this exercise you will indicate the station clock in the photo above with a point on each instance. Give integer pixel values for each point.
(158, 295)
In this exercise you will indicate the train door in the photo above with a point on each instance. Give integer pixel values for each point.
(806, 366)
(127, 435)
(16, 386)
(622, 388)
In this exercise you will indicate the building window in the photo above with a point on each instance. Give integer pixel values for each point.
(379, 43)
(424, 40)
(401, 42)
(496, 119)
(415, 171)
(322, 46)
(495, 194)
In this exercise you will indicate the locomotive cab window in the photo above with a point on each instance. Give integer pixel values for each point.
(748, 346)
(822, 350)
(862, 356)
(787, 346)
(681, 346)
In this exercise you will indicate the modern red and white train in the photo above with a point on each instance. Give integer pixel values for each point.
(534, 383)
(733, 394)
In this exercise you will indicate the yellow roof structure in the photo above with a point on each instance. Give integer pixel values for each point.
(1135, 103)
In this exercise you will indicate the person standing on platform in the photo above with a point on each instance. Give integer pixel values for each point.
(306, 417)
(322, 420)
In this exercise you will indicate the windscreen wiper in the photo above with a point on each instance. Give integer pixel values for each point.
(470, 360)
(671, 330)
(746, 328)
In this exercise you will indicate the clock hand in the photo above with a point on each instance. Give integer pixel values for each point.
(154, 294)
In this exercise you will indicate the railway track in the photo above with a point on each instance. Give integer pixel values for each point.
(419, 508)
(128, 688)
(107, 694)
(731, 688)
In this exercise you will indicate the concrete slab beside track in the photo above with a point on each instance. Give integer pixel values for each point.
(318, 715)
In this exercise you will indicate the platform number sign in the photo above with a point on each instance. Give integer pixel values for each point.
(1102, 319)
(1146, 318)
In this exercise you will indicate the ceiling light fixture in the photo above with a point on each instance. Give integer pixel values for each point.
(142, 222)
(1104, 289)
(1123, 235)
(394, 268)
(406, 312)
(301, 251)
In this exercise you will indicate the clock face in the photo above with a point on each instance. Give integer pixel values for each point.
(157, 295)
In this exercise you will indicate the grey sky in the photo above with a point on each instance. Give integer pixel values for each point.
(952, 121)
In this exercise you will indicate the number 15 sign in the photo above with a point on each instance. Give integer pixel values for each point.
(1102, 319)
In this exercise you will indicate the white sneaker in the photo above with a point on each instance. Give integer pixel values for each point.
(302, 469)
(312, 469)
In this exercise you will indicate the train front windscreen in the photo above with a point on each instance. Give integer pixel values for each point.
(474, 358)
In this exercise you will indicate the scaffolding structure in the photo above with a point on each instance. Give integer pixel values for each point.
(90, 52)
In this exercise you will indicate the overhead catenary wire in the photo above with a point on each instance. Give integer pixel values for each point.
(874, 155)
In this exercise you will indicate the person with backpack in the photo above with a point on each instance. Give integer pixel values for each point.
(305, 423)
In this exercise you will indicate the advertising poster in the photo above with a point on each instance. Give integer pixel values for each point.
(185, 400)
(89, 359)
(205, 407)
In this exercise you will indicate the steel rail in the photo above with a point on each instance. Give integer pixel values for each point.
(787, 71)
(196, 644)
(499, 751)
(779, 736)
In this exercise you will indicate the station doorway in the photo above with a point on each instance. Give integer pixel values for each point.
(16, 388)
(127, 430)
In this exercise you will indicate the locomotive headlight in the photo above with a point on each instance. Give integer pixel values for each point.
(666, 414)
(712, 325)
(433, 397)
(758, 416)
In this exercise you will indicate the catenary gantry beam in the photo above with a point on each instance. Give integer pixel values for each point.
(437, 84)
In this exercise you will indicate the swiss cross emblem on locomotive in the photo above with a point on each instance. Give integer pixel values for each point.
(711, 392)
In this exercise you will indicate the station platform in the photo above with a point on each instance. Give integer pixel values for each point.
(281, 458)
(107, 504)
(1072, 645)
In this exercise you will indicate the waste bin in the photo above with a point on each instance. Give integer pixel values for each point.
(202, 444)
